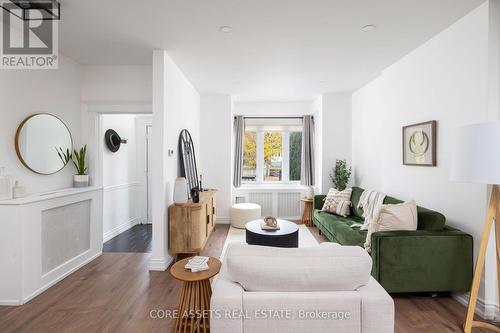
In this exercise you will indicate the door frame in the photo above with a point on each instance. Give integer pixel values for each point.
(91, 133)
(142, 124)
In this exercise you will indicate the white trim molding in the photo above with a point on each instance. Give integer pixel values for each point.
(120, 186)
(119, 229)
(223, 220)
(483, 310)
(159, 264)
(120, 107)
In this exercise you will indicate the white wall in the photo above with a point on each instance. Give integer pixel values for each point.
(491, 285)
(446, 79)
(176, 106)
(182, 112)
(105, 84)
(336, 133)
(129, 90)
(121, 208)
(25, 92)
(317, 107)
(272, 108)
(215, 149)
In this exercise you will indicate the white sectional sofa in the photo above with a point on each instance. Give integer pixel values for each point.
(327, 288)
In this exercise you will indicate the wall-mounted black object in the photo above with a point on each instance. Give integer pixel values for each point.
(187, 160)
(48, 9)
(195, 194)
(113, 140)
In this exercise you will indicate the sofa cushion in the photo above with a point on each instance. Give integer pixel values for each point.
(328, 267)
(392, 217)
(355, 196)
(334, 199)
(340, 228)
(427, 219)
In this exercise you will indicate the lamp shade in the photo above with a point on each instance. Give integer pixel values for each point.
(477, 154)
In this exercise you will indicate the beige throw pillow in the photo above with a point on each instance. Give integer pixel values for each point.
(393, 217)
(338, 202)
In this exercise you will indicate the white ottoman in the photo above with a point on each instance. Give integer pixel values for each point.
(243, 213)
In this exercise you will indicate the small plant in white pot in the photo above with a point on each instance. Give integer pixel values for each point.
(78, 157)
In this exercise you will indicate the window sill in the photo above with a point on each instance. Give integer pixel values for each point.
(267, 186)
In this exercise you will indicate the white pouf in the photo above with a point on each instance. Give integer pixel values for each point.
(243, 213)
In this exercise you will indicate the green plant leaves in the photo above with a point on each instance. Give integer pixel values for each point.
(340, 175)
(79, 162)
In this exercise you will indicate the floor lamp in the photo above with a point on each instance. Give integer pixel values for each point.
(477, 160)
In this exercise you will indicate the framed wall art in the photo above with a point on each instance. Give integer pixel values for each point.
(419, 144)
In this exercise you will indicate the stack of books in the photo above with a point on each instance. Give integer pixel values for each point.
(197, 264)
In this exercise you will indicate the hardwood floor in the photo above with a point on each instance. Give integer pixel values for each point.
(116, 293)
(136, 239)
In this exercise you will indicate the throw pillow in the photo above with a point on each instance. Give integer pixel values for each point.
(338, 202)
(343, 208)
(401, 216)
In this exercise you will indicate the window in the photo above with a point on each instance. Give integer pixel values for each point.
(272, 150)
(249, 171)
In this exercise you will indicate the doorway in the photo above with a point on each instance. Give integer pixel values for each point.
(126, 183)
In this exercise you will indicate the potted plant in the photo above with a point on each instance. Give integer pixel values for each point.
(78, 157)
(340, 175)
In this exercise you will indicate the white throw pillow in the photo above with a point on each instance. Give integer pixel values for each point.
(338, 202)
(401, 216)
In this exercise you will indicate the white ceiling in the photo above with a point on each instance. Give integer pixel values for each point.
(278, 49)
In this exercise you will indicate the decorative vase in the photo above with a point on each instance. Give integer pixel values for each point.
(180, 191)
(18, 191)
(310, 192)
(80, 180)
(5, 185)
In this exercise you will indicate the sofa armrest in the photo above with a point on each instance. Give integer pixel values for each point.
(319, 200)
(377, 309)
(422, 261)
(226, 305)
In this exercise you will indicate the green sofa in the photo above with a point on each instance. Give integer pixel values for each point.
(434, 258)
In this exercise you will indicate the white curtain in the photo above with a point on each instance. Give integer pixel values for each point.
(307, 173)
(239, 128)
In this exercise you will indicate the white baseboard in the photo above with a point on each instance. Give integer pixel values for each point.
(223, 220)
(119, 229)
(483, 310)
(160, 264)
(10, 302)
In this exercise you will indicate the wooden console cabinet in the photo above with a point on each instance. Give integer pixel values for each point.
(191, 224)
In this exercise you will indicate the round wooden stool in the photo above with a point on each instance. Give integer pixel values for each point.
(307, 213)
(194, 300)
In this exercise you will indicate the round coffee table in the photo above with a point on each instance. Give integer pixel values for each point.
(286, 236)
(195, 296)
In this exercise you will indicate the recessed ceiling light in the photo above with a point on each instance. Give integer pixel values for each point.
(368, 28)
(225, 29)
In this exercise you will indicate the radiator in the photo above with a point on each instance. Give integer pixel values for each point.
(281, 203)
(289, 204)
(265, 200)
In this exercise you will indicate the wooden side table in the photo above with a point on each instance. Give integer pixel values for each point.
(307, 213)
(194, 300)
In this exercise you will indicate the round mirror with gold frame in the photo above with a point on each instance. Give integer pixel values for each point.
(38, 139)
